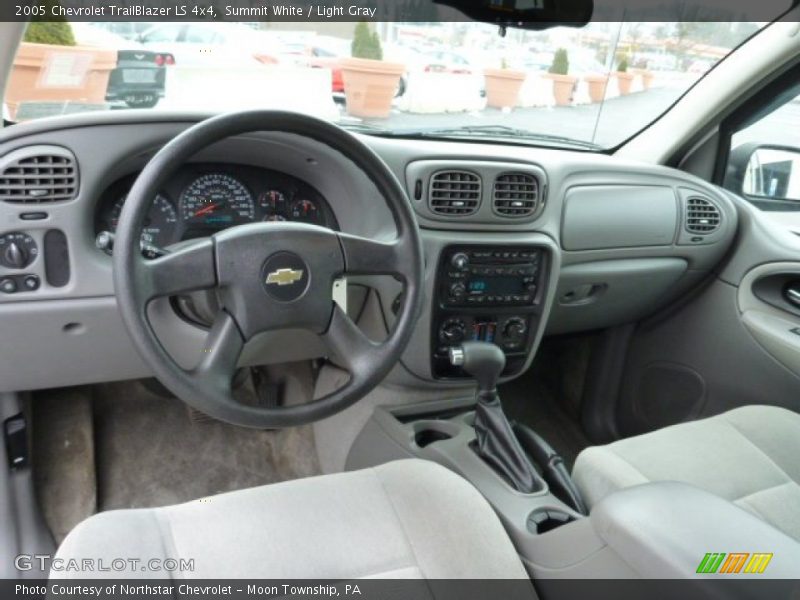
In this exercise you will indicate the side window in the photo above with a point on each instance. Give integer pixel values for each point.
(764, 163)
(164, 34)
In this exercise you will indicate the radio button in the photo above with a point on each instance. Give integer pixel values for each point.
(457, 290)
(460, 261)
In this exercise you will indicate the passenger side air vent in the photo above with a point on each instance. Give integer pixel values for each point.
(701, 216)
(515, 195)
(454, 193)
(38, 175)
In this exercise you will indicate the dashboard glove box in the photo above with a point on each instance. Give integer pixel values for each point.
(619, 216)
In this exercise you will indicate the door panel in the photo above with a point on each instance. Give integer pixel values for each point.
(769, 300)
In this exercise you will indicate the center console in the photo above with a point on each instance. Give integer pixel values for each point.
(488, 293)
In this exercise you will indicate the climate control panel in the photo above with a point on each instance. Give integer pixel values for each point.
(487, 293)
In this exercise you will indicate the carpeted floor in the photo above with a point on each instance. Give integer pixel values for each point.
(151, 453)
(120, 445)
(547, 397)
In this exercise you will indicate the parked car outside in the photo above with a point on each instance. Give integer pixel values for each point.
(140, 77)
(210, 44)
(325, 52)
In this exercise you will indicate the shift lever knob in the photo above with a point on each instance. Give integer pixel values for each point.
(484, 361)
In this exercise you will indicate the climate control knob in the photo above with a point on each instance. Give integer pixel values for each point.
(453, 331)
(514, 330)
(460, 261)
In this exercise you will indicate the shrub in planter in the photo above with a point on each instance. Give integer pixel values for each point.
(56, 33)
(624, 79)
(370, 83)
(49, 67)
(503, 86)
(563, 82)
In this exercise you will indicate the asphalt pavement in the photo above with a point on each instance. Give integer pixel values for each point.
(615, 123)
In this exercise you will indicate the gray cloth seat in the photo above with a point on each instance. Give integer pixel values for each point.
(749, 456)
(404, 519)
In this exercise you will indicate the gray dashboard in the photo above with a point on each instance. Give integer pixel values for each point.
(625, 239)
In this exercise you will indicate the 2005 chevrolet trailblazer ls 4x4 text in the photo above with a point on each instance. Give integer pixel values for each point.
(501, 303)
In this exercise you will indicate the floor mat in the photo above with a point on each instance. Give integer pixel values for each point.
(544, 398)
(121, 445)
(63, 458)
(151, 453)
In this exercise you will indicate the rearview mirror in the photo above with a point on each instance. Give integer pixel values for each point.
(765, 173)
(526, 14)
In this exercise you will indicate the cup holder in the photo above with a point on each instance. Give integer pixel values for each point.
(430, 432)
(543, 520)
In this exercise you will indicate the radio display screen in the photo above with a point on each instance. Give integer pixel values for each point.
(500, 286)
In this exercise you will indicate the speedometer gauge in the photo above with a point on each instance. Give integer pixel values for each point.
(217, 201)
(159, 224)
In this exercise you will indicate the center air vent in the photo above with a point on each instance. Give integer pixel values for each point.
(701, 216)
(38, 175)
(455, 193)
(515, 194)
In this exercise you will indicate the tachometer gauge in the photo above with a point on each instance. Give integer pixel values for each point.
(159, 224)
(305, 211)
(217, 201)
(273, 205)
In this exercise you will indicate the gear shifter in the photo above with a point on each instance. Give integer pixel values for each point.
(496, 442)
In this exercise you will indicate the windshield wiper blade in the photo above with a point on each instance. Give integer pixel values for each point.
(497, 131)
(364, 128)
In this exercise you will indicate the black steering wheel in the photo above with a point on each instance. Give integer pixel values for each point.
(267, 276)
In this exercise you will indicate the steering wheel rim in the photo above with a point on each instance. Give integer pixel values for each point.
(228, 261)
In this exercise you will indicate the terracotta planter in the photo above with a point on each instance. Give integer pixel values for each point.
(563, 87)
(624, 81)
(502, 87)
(370, 86)
(47, 73)
(597, 86)
(647, 79)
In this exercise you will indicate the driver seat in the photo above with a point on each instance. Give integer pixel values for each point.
(404, 519)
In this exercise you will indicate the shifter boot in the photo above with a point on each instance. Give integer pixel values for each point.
(499, 447)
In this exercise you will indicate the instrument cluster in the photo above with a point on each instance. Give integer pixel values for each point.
(202, 199)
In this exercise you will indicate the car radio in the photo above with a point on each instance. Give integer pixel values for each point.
(481, 277)
(487, 293)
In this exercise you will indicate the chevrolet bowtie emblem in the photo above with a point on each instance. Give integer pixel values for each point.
(284, 276)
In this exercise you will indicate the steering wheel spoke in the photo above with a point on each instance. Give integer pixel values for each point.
(348, 343)
(363, 256)
(221, 353)
(189, 268)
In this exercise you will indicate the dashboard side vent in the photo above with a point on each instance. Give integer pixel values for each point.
(456, 193)
(515, 195)
(38, 175)
(702, 216)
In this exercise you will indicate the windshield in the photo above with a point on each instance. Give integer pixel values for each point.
(590, 87)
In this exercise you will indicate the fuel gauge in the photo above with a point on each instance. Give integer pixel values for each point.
(305, 211)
